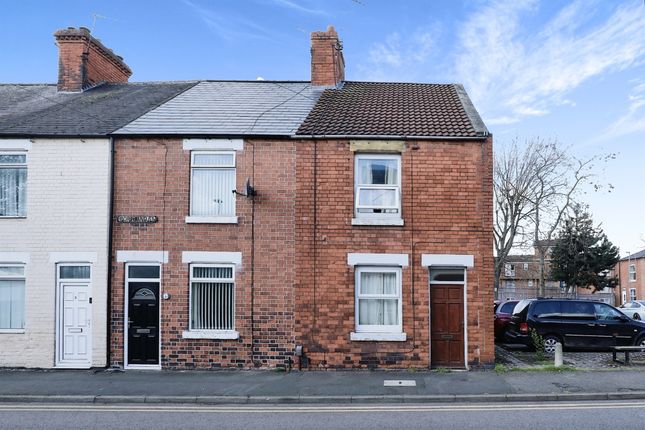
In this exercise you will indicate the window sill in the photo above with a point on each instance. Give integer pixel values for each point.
(13, 217)
(377, 337)
(12, 330)
(211, 220)
(377, 221)
(210, 334)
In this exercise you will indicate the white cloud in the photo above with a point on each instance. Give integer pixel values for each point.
(229, 26)
(513, 73)
(400, 57)
(299, 7)
(633, 121)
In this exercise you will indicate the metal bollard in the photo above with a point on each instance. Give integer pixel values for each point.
(558, 355)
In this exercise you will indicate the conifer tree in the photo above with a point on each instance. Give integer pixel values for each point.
(583, 256)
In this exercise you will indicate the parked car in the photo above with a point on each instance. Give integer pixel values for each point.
(502, 317)
(579, 324)
(635, 309)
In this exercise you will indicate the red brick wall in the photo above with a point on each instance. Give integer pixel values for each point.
(327, 62)
(81, 65)
(621, 270)
(304, 289)
(152, 178)
(447, 209)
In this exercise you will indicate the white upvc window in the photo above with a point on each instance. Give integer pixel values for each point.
(509, 269)
(632, 294)
(377, 186)
(632, 273)
(13, 184)
(212, 181)
(12, 297)
(212, 298)
(526, 266)
(378, 300)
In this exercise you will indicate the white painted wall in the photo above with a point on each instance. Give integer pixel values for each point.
(68, 190)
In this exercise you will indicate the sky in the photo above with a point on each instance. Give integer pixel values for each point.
(567, 70)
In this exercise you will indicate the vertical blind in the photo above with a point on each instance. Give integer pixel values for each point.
(212, 184)
(212, 192)
(212, 298)
(13, 185)
(12, 304)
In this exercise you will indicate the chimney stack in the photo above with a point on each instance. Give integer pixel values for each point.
(327, 62)
(83, 61)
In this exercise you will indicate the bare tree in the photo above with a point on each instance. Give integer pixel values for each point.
(535, 184)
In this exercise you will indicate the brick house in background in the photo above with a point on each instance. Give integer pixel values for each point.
(359, 233)
(55, 182)
(520, 279)
(630, 271)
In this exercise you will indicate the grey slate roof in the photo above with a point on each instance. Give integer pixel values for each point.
(39, 110)
(266, 108)
(392, 109)
(639, 254)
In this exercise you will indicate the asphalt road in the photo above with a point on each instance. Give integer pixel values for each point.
(560, 415)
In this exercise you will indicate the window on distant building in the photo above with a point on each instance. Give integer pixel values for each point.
(212, 182)
(13, 184)
(378, 300)
(526, 266)
(12, 297)
(632, 294)
(632, 273)
(530, 283)
(377, 186)
(509, 269)
(212, 297)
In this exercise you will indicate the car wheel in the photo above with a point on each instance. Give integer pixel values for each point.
(549, 343)
(637, 316)
(640, 341)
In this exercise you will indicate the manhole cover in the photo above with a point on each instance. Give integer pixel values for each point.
(399, 383)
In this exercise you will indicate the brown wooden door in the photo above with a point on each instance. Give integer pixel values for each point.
(447, 326)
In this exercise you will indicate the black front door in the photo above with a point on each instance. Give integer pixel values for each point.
(143, 323)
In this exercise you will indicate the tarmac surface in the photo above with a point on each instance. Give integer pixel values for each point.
(265, 386)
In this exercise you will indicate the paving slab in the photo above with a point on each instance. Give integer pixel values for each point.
(262, 386)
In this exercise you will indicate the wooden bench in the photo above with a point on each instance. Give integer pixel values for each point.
(626, 350)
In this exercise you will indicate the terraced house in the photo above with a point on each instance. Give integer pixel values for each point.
(55, 182)
(317, 224)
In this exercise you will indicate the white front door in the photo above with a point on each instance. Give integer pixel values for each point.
(77, 324)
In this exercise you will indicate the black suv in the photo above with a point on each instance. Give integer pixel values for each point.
(579, 324)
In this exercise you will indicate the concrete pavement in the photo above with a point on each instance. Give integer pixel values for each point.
(252, 386)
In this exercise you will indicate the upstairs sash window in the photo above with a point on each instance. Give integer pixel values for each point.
(13, 184)
(212, 183)
(377, 186)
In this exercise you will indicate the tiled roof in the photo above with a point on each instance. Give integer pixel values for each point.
(39, 110)
(639, 254)
(378, 109)
(231, 108)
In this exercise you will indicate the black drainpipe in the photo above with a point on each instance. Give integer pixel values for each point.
(109, 268)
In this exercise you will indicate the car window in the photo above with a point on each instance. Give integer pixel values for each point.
(628, 305)
(550, 309)
(606, 313)
(507, 307)
(578, 310)
(520, 306)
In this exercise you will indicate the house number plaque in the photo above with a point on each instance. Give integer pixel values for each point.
(136, 219)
